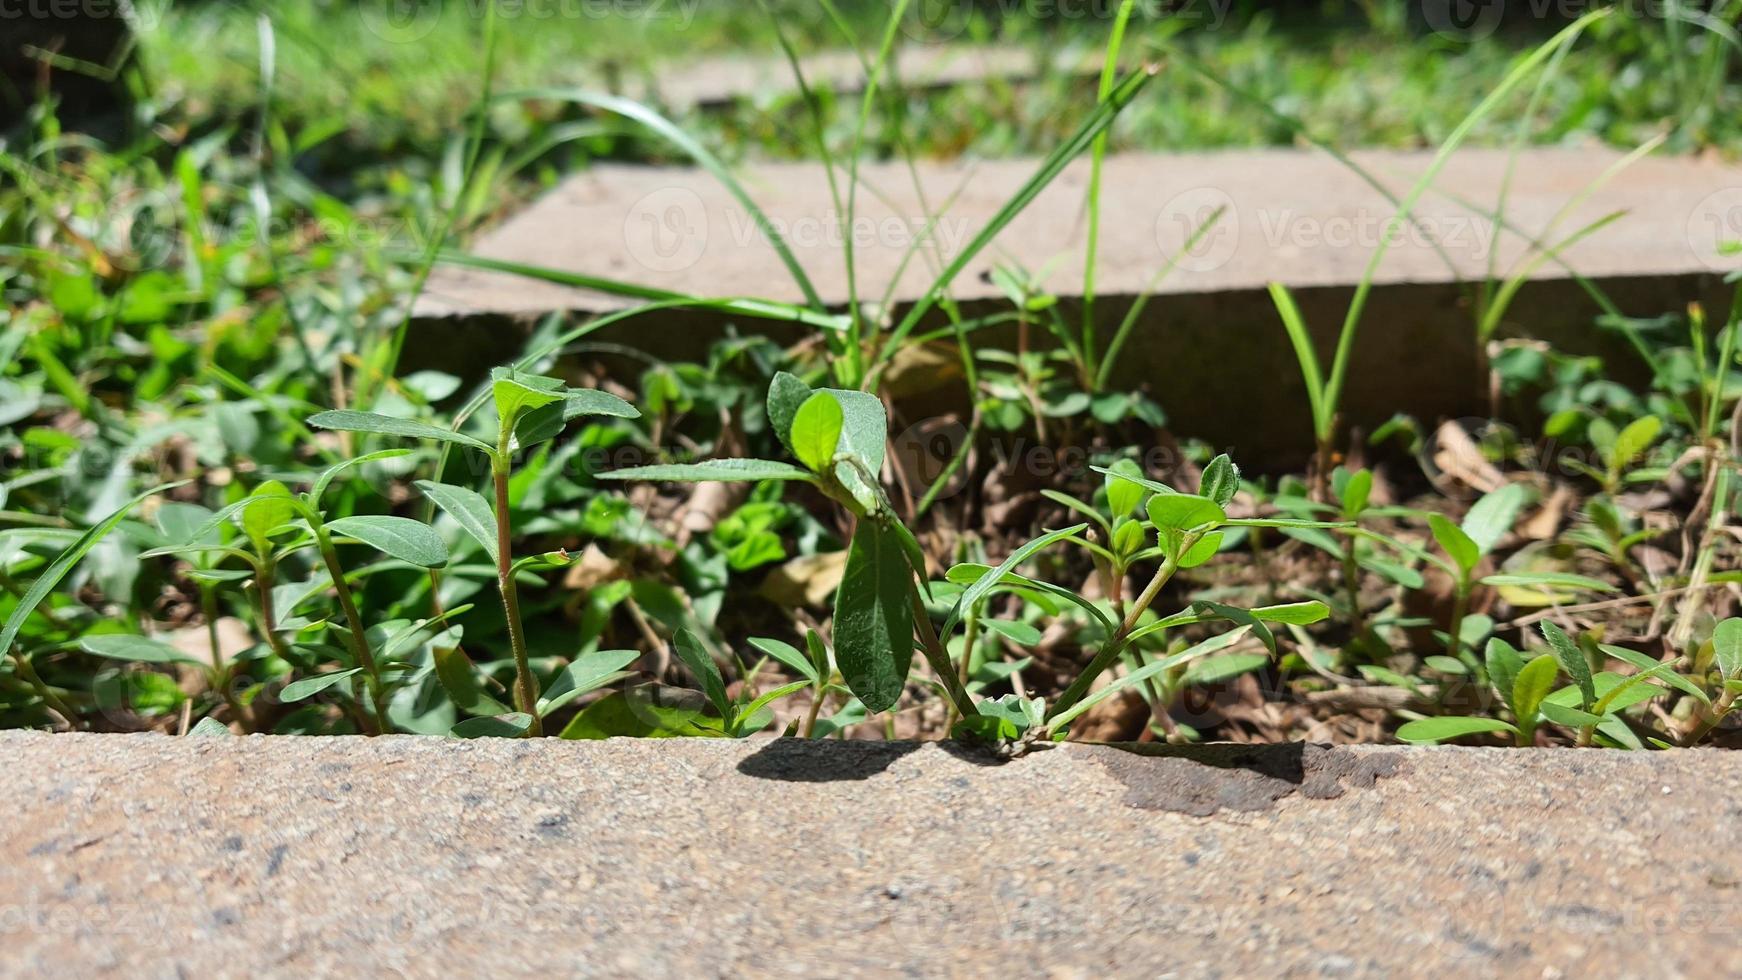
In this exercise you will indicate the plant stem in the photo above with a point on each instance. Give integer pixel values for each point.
(1116, 644)
(939, 658)
(264, 574)
(43, 691)
(220, 667)
(1352, 584)
(1720, 709)
(970, 635)
(1455, 638)
(359, 641)
(810, 718)
(525, 684)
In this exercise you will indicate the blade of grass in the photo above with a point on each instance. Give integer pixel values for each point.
(762, 309)
(1491, 315)
(1097, 155)
(1105, 370)
(855, 329)
(450, 217)
(1514, 77)
(1049, 169)
(1302, 339)
(705, 158)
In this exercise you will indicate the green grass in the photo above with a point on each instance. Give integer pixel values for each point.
(1343, 78)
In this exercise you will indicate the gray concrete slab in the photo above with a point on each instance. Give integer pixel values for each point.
(1210, 349)
(1297, 217)
(125, 855)
(718, 80)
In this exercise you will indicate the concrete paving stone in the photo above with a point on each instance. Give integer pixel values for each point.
(126, 855)
(718, 80)
(1297, 217)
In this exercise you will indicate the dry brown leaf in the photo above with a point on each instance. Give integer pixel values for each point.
(808, 580)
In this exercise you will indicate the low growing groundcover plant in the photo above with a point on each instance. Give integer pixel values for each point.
(227, 508)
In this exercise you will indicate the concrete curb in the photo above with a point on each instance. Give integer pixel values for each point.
(426, 857)
(1294, 217)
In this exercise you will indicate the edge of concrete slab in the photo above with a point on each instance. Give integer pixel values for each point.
(424, 857)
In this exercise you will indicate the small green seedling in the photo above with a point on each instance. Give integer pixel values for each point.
(530, 409)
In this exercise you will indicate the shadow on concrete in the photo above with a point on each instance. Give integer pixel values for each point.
(1201, 780)
(796, 760)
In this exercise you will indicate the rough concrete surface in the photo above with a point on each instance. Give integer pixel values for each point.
(723, 79)
(124, 855)
(1297, 217)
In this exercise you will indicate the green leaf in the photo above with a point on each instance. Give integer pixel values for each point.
(1176, 517)
(581, 402)
(469, 509)
(1504, 663)
(1647, 663)
(1636, 438)
(749, 723)
(349, 421)
(1567, 716)
(816, 431)
(874, 617)
(308, 687)
(1202, 550)
(137, 649)
(399, 537)
(707, 673)
(1214, 644)
(537, 423)
(1572, 661)
(588, 673)
(517, 393)
(1551, 579)
(209, 727)
(1244, 617)
(1426, 731)
(1447, 665)
(187, 524)
(512, 725)
(789, 655)
(1130, 475)
(460, 680)
(722, 470)
(1022, 634)
(1356, 490)
(59, 568)
(1535, 679)
(982, 587)
(786, 394)
(1294, 613)
(331, 473)
(1727, 647)
(1184, 512)
(1034, 591)
(864, 434)
(648, 711)
(269, 508)
(1221, 480)
(1491, 517)
(1124, 495)
(1214, 670)
(1464, 552)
